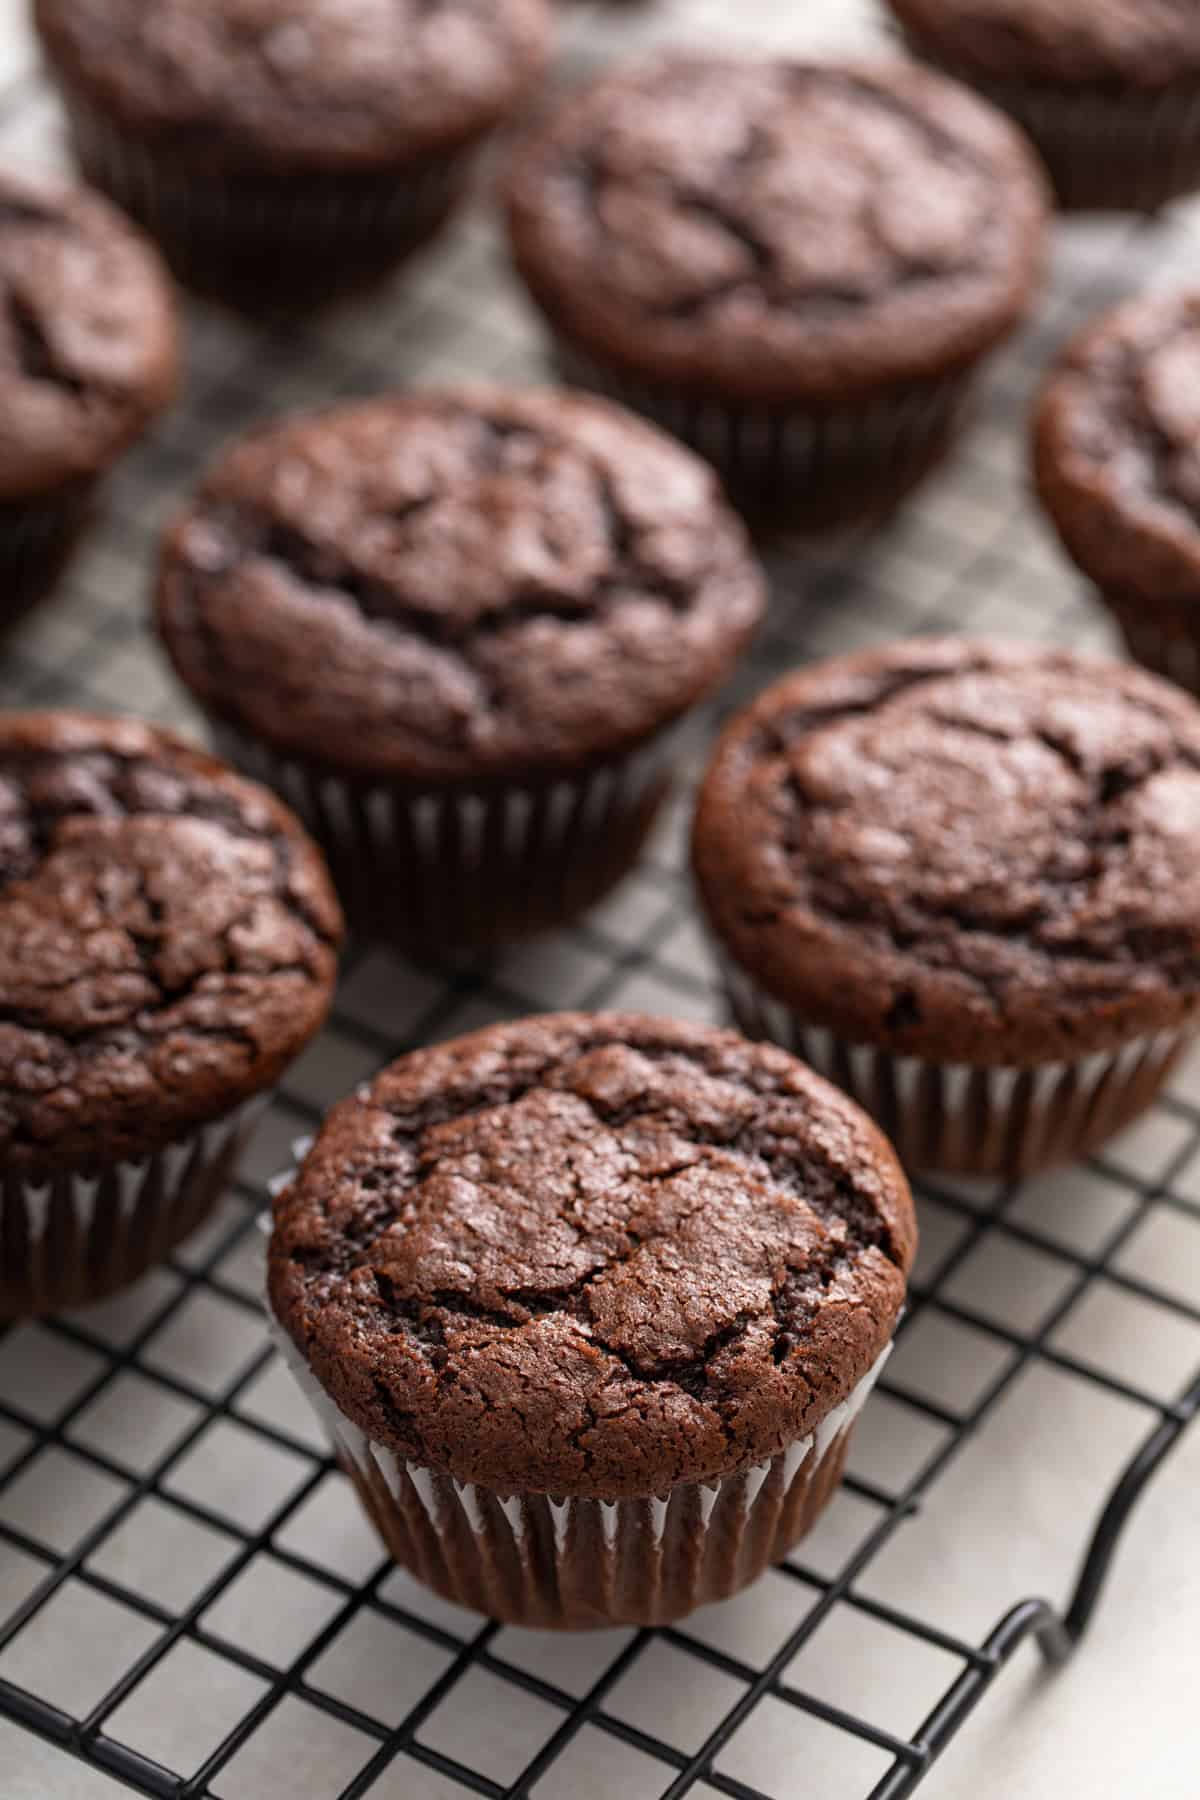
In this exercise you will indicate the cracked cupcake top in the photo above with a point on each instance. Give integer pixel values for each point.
(967, 851)
(299, 82)
(87, 334)
(1149, 43)
(457, 586)
(1117, 449)
(592, 1255)
(779, 229)
(168, 940)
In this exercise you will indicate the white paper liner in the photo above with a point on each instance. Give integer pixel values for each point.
(554, 1561)
(819, 467)
(469, 867)
(77, 1237)
(959, 1118)
(1121, 151)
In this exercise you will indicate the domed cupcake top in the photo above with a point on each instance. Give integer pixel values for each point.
(168, 940)
(296, 82)
(963, 850)
(783, 229)
(592, 1255)
(476, 584)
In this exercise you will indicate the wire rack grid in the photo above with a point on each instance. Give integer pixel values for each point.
(190, 1605)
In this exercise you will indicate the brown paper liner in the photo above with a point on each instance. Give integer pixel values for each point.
(37, 537)
(809, 470)
(79, 1237)
(274, 239)
(956, 1119)
(1168, 647)
(469, 869)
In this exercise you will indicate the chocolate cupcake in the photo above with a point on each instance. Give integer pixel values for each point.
(283, 150)
(455, 631)
(1117, 459)
(168, 941)
(589, 1305)
(87, 360)
(1109, 90)
(963, 879)
(796, 267)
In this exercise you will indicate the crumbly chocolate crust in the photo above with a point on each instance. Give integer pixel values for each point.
(168, 940)
(1117, 450)
(88, 352)
(295, 83)
(965, 851)
(1106, 43)
(775, 230)
(592, 1255)
(467, 585)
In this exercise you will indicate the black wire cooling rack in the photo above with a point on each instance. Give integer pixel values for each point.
(188, 1601)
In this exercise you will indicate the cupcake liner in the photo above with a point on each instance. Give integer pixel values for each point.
(1122, 151)
(289, 235)
(963, 1119)
(1174, 653)
(560, 1563)
(36, 538)
(810, 469)
(468, 868)
(76, 1237)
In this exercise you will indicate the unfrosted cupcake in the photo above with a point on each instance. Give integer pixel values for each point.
(282, 149)
(796, 267)
(88, 359)
(456, 630)
(963, 879)
(168, 944)
(588, 1306)
(1117, 463)
(1109, 90)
